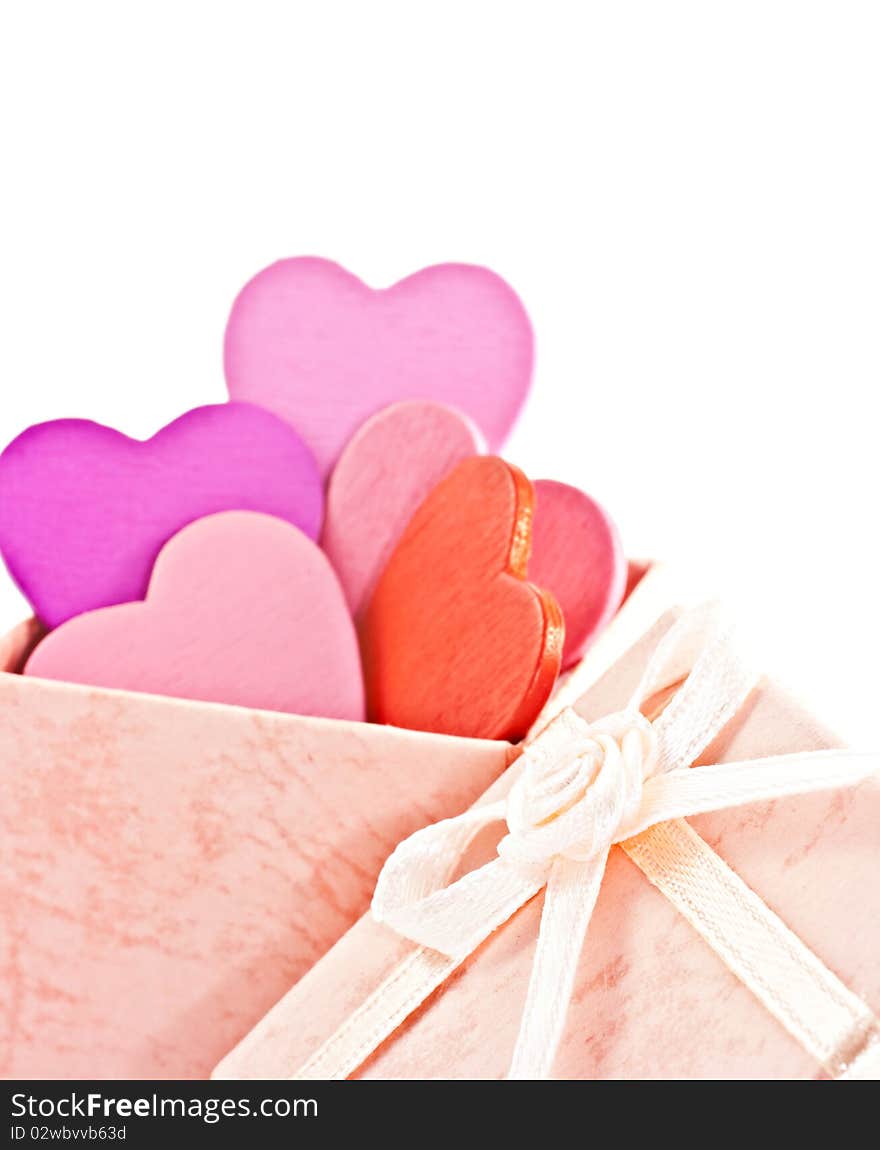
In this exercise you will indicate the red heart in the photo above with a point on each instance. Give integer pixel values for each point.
(454, 639)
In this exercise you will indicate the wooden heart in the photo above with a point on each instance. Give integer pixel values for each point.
(577, 556)
(454, 639)
(242, 608)
(317, 346)
(84, 510)
(385, 472)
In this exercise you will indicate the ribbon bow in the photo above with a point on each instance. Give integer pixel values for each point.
(582, 787)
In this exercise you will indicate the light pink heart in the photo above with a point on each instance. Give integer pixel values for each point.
(320, 348)
(387, 469)
(242, 608)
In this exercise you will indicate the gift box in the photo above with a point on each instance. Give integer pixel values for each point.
(169, 868)
(788, 901)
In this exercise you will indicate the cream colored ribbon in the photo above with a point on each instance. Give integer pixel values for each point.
(581, 788)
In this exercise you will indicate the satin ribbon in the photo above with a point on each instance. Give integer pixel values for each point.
(581, 788)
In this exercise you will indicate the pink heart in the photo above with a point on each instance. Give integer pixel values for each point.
(314, 344)
(84, 510)
(388, 467)
(577, 556)
(242, 608)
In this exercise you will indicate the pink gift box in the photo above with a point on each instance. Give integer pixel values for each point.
(651, 999)
(169, 868)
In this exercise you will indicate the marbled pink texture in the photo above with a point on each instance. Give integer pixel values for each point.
(169, 868)
(651, 1000)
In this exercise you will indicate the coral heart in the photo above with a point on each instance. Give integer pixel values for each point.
(577, 556)
(385, 472)
(454, 639)
(242, 608)
(85, 510)
(314, 344)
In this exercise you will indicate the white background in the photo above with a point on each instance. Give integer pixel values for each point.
(687, 197)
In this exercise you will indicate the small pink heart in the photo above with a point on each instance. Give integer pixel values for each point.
(314, 344)
(577, 556)
(84, 510)
(242, 608)
(386, 470)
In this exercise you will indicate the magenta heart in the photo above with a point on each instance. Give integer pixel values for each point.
(314, 344)
(84, 510)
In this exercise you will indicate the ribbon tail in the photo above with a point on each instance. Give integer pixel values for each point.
(375, 1020)
(826, 1019)
(686, 792)
(572, 890)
